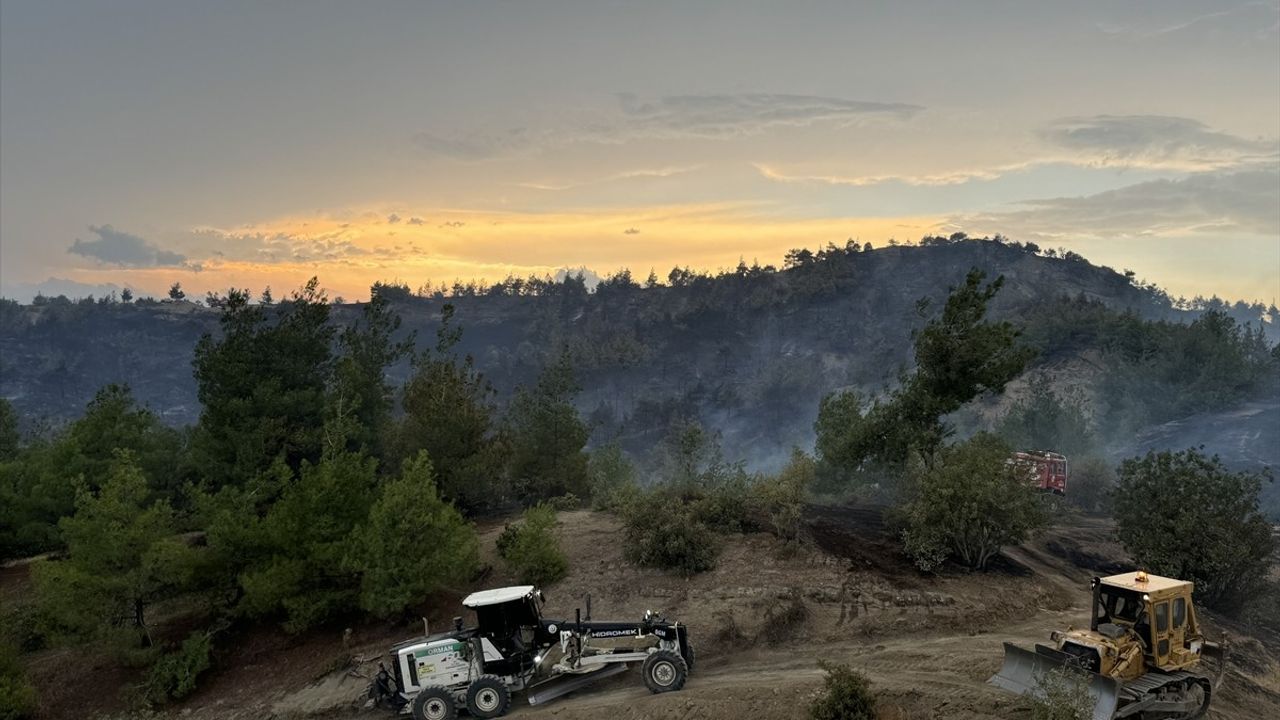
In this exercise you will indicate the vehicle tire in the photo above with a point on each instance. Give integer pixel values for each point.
(434, 703)
(664, 671)
(488, 697)
(688, 657)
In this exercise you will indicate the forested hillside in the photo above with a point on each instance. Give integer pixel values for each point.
(309, 450)
(746, 352)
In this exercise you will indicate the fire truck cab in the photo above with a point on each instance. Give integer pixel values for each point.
(1048, 470)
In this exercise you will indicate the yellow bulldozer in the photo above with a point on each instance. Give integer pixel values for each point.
(1141, 654)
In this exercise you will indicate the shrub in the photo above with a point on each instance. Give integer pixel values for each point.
(17, 697)
(969, 503)
(412, 543)
(784, 616)
(1065, 695)
(662, 533)
(1090, 486)
(174, 674)
(531, 548)
(612, 479)
(1185, 515)
(846, 695)
(781, 497)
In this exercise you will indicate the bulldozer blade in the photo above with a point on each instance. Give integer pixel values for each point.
(1023, 671)
(552, 688)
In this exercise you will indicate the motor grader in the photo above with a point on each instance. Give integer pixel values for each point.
(1141, 654)
(513, 648)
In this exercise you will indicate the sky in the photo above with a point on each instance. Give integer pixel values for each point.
(256, 144)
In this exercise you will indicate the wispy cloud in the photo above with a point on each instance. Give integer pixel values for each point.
(1210, 202)
(1154, 141)
(642, 173)
(1148, 142)
(1257, 19)
(122, 249)
(956, 177)
(672, 117)
(719, 116)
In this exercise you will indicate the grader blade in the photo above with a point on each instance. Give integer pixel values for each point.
(1024, 672)
(553, 688)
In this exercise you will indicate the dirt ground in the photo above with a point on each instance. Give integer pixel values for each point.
(927, 643)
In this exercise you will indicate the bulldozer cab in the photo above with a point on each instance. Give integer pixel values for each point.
(1157, 609)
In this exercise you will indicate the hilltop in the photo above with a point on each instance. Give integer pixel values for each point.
(747, 353)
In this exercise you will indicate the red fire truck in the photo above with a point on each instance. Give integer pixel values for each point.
(1047, 470)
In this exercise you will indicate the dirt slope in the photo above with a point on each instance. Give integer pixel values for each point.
(927, 643)
(761, 621)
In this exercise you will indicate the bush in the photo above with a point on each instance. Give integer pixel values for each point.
(174, 674)
(1185, 515)
(612, 479)
(412, 543)
(784, 616)
(968, 503)
(846, 695)
(662, 533)
(1065, 696)
(17, 697)
(1090, 486)
(781, 497)
(531, 548)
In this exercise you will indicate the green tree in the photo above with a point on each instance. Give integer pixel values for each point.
(969, 502)
(1186, 515)
(10, 439)
(612, 478)
(38, 484)
(548, 436)
(413, 542)
(360, 388)
(1045, 420)
(298, 570)
(449, 413)
(782, 496)
(531, 548)
(17, 696)
(959, 355)
(262, 386)
(122, 556)
(1090, 484)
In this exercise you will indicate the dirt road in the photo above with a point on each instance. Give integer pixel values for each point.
(928, 644)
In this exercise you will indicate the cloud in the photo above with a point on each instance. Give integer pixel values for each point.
(1155, 141)
(1210, 202)
(278, 246)
(55, 286)
(710, 116)
(639, 174)
(475, 145)
(718, 116)
(393, 218)
(1257, 19)
(416, 221)
(956, 177)
(122, 249)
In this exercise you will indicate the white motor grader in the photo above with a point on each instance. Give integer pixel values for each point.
(512, 648)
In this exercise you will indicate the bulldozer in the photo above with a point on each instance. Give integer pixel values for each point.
(1141, 655)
